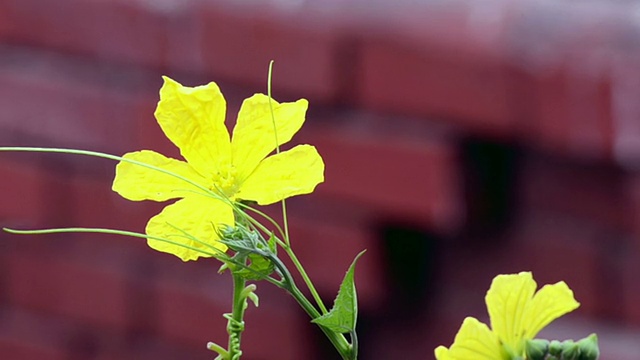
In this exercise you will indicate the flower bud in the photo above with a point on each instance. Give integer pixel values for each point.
(555, 348)
(589, 349)
(536, 349)
(570, 350)
(239, 238)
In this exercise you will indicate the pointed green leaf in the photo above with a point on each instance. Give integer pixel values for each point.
(342, 317)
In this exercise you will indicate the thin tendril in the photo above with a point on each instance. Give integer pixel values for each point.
(116, 158)
(287, 243)
(275, 132)
(205, 191)
(219, 253)
(265, 216)
(114, 232)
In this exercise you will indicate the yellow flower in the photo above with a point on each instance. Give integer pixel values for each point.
(235, 168)
(517, 313)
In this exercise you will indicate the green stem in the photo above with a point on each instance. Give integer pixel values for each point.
(305, 278)
(354, 345)
(235, 326)
(338, 340)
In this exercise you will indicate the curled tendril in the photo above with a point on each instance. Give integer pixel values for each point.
(234, 328)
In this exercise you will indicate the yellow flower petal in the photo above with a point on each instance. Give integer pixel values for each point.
(293, 172)
(506, 301)
(136, 182)
(474, 341)
(194, 216)
(548, 304)
(253, 135)
(442, 353)
(193, 119)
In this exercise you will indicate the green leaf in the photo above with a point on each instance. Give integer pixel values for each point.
(342, 317)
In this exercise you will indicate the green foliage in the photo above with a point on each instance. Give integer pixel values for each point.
(342, 317)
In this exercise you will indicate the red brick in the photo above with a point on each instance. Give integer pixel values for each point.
(94, 204)
(279, 328)
(40, 101)
(6, 22)
(82, 286)
(190, 313)
(412, 340)
(592, 192)
(115, 30)
(238, 43)
(438, 62)
(29, 349)
(625, 87)
(192, 299)
(327, 249)
(552, 247)
(187, 36)
(182, 40)
(570, 113)
(409, 176)
(25, 336)
(152, 349)
(33, 195)
(629, 270)
(565, 101)
(632, 188)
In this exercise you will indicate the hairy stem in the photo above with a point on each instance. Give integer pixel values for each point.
(235, 327)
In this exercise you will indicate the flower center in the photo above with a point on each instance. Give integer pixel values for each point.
(224, 182)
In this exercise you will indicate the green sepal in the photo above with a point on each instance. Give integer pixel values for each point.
(258, 268)
(342, 317)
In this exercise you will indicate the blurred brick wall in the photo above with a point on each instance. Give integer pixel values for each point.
(462, 139)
